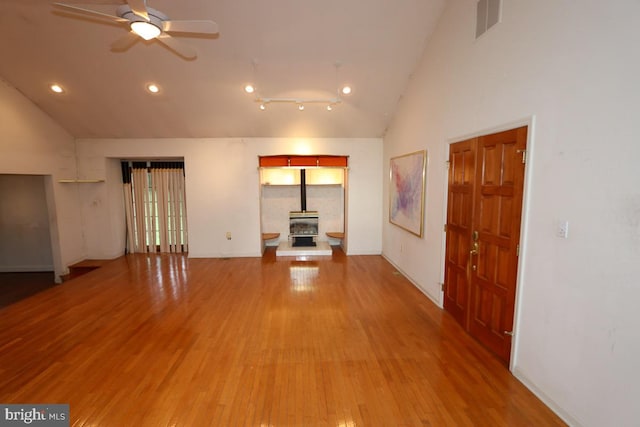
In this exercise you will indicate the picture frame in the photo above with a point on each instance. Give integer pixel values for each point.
(407, 180)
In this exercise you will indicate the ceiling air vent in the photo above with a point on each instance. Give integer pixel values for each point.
(488, 15)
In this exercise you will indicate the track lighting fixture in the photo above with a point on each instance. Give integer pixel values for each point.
(299, 102)
(329, 103)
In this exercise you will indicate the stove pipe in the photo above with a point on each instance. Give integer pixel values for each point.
(303, 190)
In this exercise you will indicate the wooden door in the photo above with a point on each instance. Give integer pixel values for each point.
(462, 175)
(491, 243)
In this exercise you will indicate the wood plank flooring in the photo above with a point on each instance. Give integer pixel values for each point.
(162, 340)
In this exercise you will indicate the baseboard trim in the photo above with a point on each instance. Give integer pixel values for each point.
(406, 276)
(559, 411)
(26, 268)
(364, 253)
(222, 255)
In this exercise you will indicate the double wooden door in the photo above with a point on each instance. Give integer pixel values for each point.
(486, 178)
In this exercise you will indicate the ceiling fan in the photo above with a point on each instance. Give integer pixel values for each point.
(147, 23)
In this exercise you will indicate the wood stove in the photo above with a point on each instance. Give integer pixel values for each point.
(303, 228)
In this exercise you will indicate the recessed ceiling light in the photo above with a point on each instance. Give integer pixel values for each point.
(300, 107)
(56, 88)
(346, 90)
(249, 88)
(153, 88)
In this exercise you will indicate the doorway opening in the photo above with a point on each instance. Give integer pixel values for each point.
(26, 251)
(155, 206)
(303, 203)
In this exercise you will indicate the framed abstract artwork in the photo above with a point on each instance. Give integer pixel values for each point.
(407, 175)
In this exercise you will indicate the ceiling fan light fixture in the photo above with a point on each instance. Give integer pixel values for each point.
(146, 30)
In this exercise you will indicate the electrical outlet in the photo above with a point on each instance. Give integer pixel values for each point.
(562, 229)
(228, 235)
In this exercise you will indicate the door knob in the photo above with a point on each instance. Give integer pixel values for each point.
(474, 249)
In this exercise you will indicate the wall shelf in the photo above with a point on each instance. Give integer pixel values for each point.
(80, 181)
(298, 185)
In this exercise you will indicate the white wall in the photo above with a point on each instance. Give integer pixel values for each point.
(572, 69)
(33, 144)
(102, 207)
(223, 190)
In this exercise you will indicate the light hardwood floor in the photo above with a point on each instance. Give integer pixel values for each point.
(162, 340)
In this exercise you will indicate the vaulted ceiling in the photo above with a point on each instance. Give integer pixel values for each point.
(299, 49)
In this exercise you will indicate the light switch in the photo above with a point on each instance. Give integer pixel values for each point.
(562, 230)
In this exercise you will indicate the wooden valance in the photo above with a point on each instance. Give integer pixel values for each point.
(283, 161)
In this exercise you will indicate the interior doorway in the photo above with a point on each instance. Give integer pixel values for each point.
(25, 236)
(484, 209)
(26, 251)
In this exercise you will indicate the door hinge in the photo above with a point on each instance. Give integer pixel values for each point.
(448, 162)
(442, 286)
(445, 228)
(524, 155)
(518, 250)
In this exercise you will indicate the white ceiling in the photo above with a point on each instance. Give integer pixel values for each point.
(294, 44)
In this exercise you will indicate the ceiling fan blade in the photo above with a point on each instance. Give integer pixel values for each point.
(190, 26)
(125, 42)
(178, 47)
(139, 8)
(102, 11)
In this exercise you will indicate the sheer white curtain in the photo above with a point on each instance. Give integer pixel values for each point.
(168, 190)
(156, 210)
(128, 211)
